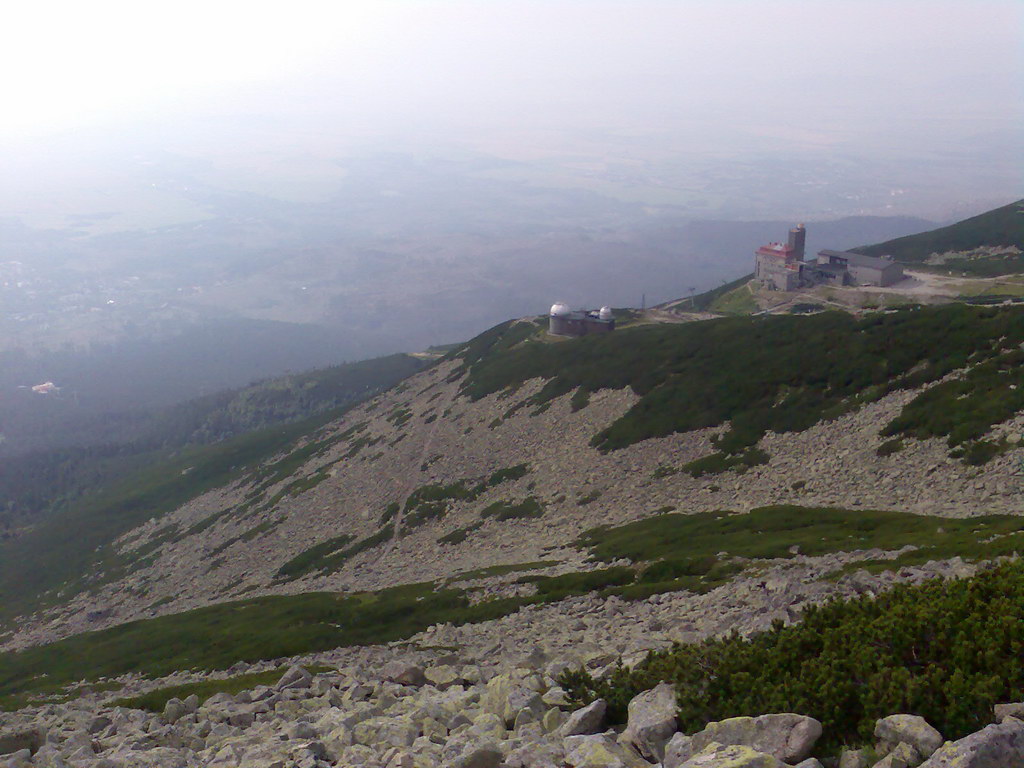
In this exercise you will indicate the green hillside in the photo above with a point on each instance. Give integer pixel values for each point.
(1000, 227)
(36, 484)
(778, 373)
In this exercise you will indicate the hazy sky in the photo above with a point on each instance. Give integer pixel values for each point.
(799, 67)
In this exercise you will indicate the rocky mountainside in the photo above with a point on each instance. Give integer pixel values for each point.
(431, 480)
(596, 498)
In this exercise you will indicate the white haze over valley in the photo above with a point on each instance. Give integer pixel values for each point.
(240, 188)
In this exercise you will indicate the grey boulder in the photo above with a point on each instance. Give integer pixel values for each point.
(997, 746)
(652, 721)
(909, 729)
(295, 677)
(785, 736)
(589, 719)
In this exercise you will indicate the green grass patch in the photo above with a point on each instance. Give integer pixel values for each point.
(431, 502)
(964, 409)
(389, 513)
(571, 584)
(738, 301)
(156, 700)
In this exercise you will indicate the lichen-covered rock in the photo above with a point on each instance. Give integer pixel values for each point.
(479, 756)
(909, 729)
(404, 673)
(443, 676)
(715, 755)
(295, 677)
(589, 719)
(1003, 711)
(600, 751)
(553, 720)
(997, 746)
(903, 755)
(506, 697)
(856, 758)
(678, 750)
(786, 736)
(652, 721)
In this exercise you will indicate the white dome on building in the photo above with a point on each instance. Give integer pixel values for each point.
(559, 309)
(605, 313)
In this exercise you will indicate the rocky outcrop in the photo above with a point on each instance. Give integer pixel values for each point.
(652, 721)
(831, 464)
(786, 737)
(996, 746)
(909, 730)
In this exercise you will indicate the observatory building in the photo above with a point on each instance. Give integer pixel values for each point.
(781, 266)
(564, 321)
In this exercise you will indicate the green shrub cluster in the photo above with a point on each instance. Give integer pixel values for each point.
(459, 535)
(781, 530)
(329, 556)
(580, 583)
(964, 409)
(719, 462)
(889, 447)
(389, 513)
(947, 651)
(431, 502)
(506, 510)
(508, 473)
(313, 558)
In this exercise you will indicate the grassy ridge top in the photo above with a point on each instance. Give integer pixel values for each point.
(766, 373)
(999, 227)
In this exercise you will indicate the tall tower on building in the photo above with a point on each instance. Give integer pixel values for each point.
(797, 237)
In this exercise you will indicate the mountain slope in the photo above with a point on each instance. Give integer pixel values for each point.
(504, 453)
(37, 483)
(984, 245)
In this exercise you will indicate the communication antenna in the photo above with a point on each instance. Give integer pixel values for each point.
(643, 302)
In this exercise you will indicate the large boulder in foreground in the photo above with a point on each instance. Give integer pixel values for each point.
(907, 729)
(652, 721)
(997, 746)
(589, 719)
(785, 736)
